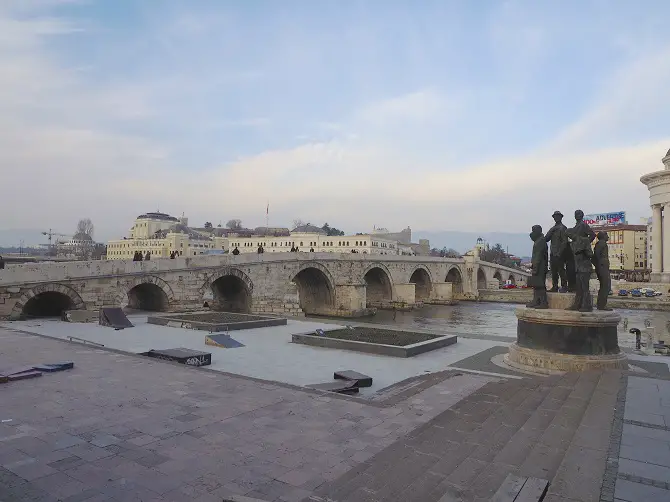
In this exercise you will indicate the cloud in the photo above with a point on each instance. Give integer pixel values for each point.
(634, 94)
(418, 106)
(79, 140)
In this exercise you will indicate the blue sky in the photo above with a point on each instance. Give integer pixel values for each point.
(435, 114)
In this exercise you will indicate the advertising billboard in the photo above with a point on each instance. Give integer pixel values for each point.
(605, 219)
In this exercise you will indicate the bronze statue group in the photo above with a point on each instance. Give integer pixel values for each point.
(572, 262)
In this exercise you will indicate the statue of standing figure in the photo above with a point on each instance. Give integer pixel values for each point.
(540, 266)
(581, 236)
(562, 260)
(581, 247)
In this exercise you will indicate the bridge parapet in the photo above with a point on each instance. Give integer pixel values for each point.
(52, 271)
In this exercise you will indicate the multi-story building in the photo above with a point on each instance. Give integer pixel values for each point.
(627, 246)
(310, 238)
(161, 235)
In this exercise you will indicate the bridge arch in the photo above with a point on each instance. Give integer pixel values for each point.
(512, 278)
(481, 278)
(146, 293)
(423, 283)
(379, 288)
(47, 300)
(498, 276)
(455, 277)
(231, 289)
(316, 288)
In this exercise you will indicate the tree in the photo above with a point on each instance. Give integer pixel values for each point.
(234, 224)
(208, 225)
(497, 255)
(298, 223)
(84, 245)
(445, 252)
(85, 226)
(331, 231)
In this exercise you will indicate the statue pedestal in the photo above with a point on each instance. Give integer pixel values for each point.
(556, 340)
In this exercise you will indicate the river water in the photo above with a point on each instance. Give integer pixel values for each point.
(498, 319)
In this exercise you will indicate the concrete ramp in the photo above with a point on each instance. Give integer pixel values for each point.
(114, 318)
(222, 341)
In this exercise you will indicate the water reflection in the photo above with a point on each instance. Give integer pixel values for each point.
(498, 319)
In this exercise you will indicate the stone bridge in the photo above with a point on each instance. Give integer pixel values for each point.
(291, 283)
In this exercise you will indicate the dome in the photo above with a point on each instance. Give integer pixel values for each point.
(81, 236)
(157, 216)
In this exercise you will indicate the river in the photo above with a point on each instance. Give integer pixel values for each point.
(498, 319)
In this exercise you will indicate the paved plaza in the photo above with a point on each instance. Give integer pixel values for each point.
(123, 427)
(267, 352)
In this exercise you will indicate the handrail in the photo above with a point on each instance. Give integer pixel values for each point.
(71, 338)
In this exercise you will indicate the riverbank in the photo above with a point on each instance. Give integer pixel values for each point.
(523, 296)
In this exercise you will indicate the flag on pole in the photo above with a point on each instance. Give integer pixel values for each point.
(267, 209)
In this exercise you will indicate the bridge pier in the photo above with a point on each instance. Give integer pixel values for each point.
(405, 293)
(442, 294)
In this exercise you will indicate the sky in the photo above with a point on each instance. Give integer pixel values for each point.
(439, 115)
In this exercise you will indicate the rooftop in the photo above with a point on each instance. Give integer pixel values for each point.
(308, 229)
(157, 216)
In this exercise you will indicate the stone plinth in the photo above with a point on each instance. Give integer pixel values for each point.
(561, 301)
(563, 340)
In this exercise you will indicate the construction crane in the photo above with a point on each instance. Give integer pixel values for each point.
(50, 235)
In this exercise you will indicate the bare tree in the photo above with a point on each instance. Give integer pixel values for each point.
(85, 226)
(84, 244)
(234, 224)
(298, 223)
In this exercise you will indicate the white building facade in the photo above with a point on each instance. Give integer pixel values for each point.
(658, 255)
(160, 235)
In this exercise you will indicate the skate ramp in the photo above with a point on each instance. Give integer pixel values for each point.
(223, 341)
(114, 318)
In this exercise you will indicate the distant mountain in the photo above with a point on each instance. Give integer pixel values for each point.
(518, 244)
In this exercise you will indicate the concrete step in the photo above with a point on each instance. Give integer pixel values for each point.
(520, 427)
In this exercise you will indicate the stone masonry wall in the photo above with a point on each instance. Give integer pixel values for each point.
(187, 281)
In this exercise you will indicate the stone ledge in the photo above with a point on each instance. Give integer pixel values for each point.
(375, 348)
(188, 321)
(543, 361)
(568, 317)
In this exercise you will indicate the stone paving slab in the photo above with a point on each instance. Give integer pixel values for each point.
(531, 428)
(123, 427)
(644, 456)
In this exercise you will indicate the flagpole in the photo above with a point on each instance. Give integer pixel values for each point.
(267, 216)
